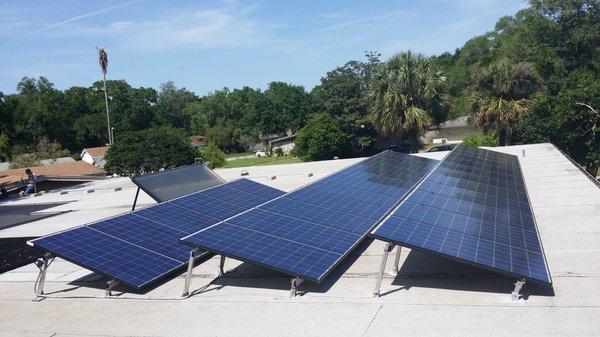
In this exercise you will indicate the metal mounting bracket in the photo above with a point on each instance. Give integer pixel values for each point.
(109, 287)
(294, 286)
(222, 266)
(386, 251)
(137, 194)
(188, 274)
(397, 259)
(516, 293)
(42, 264)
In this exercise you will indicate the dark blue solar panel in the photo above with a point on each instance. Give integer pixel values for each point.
(153, 232)
(308, 231)
(108, 255)
(473, 207)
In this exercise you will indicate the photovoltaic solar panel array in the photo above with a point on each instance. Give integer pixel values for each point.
(307, 232)
(474, 208)
(140, 247)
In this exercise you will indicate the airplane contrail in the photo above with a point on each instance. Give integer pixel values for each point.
(83, 16)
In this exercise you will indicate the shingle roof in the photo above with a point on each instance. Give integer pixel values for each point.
(73, 169)
(97, 151)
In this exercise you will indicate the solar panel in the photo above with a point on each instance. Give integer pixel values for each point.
(307, 232)
(139, 247)
(474, 208)
(173, 183)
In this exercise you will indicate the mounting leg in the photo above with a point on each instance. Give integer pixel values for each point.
(222, 266)
(386, 251)
(188, 275)
(109, 287)
(516, 293)
(42, 264)
(137, 194)
(397, 259)
(295, 283)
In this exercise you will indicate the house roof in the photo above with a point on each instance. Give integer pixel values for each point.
(430, 295)
(72, 169)
(96, 151)
(196, 140)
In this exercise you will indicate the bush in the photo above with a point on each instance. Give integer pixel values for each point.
(212, 156)
(321, 138)
(279, 152)
(484, 139)
(149, 150)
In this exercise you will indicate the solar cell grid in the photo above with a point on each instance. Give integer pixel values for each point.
(473, 207)
(308, 231)
(118, 244)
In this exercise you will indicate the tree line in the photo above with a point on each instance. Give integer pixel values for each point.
(533, 78)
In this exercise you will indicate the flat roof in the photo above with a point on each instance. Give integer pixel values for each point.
(430, 296)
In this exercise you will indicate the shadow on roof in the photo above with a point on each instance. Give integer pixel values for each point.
(252, 276)
(433, 271)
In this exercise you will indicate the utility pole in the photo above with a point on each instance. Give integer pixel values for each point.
(103, 60)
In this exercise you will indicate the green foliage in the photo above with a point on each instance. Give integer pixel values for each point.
(4, 147)
(43, 150)
(502, 96)
(213, 157)
(407, 96)
(278, 152)
(149, 150)
(485, 139)
(322, 138)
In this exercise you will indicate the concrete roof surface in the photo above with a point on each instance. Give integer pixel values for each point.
(430, 296)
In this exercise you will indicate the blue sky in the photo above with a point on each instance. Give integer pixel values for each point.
(208, 45)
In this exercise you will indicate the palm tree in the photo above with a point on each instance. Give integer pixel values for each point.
(501, 96)
(406, 95)
(103, 61)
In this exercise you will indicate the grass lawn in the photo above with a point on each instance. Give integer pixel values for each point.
(238, 154)
(242, 162)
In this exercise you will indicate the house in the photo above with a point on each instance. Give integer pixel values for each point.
(286, 143)
(198, 142)
(94, 155)
(454, 130)
(52, 176)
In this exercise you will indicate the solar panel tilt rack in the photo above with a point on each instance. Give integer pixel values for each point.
(141, 247)
(308, 232)
(473, 208)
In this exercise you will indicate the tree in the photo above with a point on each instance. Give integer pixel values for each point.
(103, 62)
(501, 96)
(149, 151)
(4, 147)
(171, 107)
(485, 139)
(213, 157)
(344, 90)
(321, 138)
(407, 96)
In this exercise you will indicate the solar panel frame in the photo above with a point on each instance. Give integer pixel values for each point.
(399, 198)
(425, 180)
(199, 257)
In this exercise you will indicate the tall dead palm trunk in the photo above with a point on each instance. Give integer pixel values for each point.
(103, 61)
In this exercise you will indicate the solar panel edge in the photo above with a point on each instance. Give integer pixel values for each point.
(421, 249)
(535, 222)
